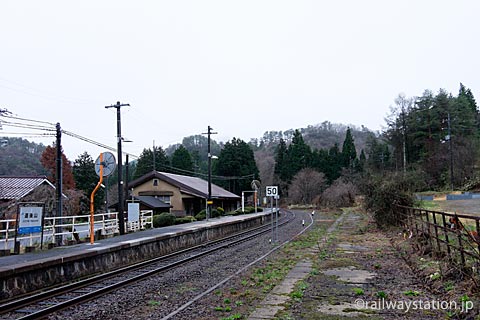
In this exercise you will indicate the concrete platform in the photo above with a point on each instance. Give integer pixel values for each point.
(31, 271)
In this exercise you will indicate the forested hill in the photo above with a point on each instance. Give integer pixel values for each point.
(20, 157)
(319, 137)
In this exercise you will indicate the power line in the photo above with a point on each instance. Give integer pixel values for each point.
(216, 177)
(98, 144)
(26, 126)
(37, 121)
(28, 134)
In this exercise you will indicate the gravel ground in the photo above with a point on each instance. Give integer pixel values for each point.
(160, 295)
(358, 245)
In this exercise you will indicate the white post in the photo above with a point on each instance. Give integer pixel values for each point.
(243, 202)
(6, 234)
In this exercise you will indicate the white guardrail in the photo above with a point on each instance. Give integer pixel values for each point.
(70, 227)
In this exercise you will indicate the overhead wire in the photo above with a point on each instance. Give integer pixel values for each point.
(99, 144)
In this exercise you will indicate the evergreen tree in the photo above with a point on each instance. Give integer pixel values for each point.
(145, 162)
(197, 145)
(334, 166)
(182, 160)
(86, 179)
(321, 160)
(299, 156)
(281, 169)
(349, 154)
(236, 160)
(363, 159)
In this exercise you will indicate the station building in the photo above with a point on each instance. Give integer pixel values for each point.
(178, 194)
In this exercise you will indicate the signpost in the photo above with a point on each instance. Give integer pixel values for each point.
(272, 192)
(134, 212)
(29, 220)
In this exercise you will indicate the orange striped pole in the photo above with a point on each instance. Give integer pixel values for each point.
(92, 236)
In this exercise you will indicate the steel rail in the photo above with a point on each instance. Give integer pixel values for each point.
(19, 306)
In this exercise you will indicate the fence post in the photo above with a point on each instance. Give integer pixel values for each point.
(477, 228)
(415, 218)
(434, 215)
(446, 230)
(460, 246)
(428, 225)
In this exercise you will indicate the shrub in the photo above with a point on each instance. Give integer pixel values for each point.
(249, 209)
(384, 193)
(163, 219)
(221, 211)
(201, 215)
(339, 194)
(214, 213)
(235, 212)
(186, 219)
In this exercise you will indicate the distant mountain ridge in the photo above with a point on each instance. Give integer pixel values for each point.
(320, 136)
(20, 157)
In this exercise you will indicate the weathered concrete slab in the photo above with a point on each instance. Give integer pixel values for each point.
(266, 312)
(343, 309)
(351, 274)
(276, 299)
(351, 247)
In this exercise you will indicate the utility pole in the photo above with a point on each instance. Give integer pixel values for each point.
(154, 168)
(209, 198)
(121, 214)
(126, 182)
(450, 149)
(58, 187)
(404, 142)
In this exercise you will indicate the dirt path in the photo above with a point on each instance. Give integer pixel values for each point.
(358, 273)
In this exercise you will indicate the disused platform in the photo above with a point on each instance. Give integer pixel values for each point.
(27, 272)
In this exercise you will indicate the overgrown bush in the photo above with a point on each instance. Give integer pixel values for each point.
(185, 219)
(247, 210)
(163, 219)
(214, 213)
(384, 193)
(339, 194)
(221, 211)
(202, 215)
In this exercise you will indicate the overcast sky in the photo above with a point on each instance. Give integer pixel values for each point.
(242, 67)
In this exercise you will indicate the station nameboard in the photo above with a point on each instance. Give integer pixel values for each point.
(30, 220)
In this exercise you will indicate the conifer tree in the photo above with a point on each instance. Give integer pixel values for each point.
(182, 160)
(349, 154)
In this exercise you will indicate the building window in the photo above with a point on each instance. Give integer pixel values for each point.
(155, 182)
(165, 199)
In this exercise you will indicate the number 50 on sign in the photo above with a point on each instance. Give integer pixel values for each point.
(272, 191)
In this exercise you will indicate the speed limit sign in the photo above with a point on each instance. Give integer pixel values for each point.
(272, 191)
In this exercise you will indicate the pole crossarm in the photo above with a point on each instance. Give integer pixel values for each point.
(121, 215)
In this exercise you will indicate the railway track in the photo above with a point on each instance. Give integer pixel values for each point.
(42, 304)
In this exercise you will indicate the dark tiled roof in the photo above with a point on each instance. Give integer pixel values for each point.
(152, 202)
(12, 188)
(191, 185)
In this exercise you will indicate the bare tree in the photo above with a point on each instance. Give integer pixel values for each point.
(306, 185)
(265, 164)
(339, 194)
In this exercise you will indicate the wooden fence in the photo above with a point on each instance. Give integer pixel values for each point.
(447, 235)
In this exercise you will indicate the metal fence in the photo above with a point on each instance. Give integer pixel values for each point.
(70, 228)
(452, 236)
